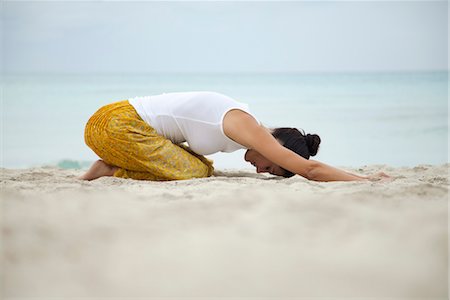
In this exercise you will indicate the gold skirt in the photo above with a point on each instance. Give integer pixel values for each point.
(118, 135)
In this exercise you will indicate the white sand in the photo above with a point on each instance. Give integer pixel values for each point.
(234, 235)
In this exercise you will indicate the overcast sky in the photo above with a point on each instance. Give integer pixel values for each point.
(139, 37)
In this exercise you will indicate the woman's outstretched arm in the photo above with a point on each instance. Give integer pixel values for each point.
(245, 130)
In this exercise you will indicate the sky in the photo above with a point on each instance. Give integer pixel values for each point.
(152, 37)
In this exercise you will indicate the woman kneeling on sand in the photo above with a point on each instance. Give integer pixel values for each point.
(141, 138)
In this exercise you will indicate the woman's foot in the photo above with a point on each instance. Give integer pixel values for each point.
(97, 170)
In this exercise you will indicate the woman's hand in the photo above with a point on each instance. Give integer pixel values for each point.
(380, 176)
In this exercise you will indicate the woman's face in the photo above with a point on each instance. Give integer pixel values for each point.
(262, 164)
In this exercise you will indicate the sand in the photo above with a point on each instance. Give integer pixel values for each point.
(235, 235)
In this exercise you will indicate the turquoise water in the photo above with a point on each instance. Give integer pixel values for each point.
(400, 119)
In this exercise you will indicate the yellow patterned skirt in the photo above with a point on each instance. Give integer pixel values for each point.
(119, 136)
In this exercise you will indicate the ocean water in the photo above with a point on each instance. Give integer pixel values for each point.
(399, 119)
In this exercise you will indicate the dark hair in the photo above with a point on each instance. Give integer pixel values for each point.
(305, 145)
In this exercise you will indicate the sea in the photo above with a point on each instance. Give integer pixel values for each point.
(394, 118)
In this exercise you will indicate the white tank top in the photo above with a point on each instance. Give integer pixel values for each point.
(192, 117)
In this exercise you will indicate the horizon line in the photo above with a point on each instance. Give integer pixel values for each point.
(226, 72)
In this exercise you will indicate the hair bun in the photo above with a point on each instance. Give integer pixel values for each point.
(313, 142)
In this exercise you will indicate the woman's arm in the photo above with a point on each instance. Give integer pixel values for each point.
(243, 129)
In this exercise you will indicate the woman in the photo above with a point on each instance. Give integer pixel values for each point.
(141, 138)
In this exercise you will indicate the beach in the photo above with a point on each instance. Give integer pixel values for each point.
(370, 78)
(237, 234)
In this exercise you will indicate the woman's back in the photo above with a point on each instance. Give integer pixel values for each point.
(194, 117)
